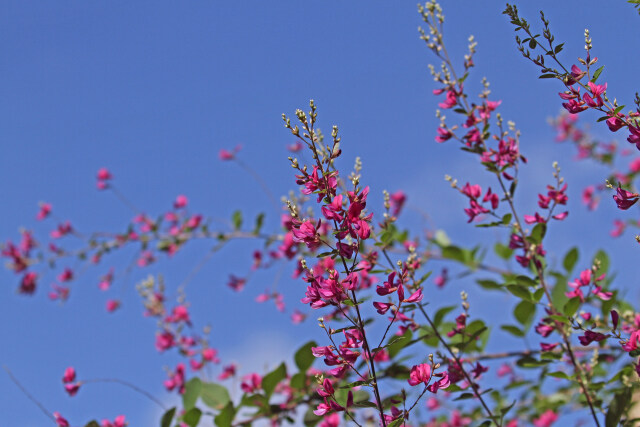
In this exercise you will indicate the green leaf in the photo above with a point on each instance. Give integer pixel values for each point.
(530, 362)
(520, 291)
(513, 330)
(571, 306)
(396, 423)
(489, 284)
(192, 417)
(441, 239)
(439, 316)
(167, 417)
(559, 374)
(597, 74)
(617, 406)
(303, 357)
(503, 251)
(191, 393)
(271, 380)
(526, 281)
(538, 232)
(546, 76)
(236, 220)
(214, 395)
(225, 417)
(465, 396)
(398, 343)
(570, 259)
(298, 381)
(604, 262)
(259, 223)
(92, 423)
(524, 312)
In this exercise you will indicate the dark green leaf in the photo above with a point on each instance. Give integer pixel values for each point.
(259, 223)
(604, 262)
(271, 380)
(570, 259)
(489, 284)
(167, 418)
(520, 291)
(439, 316)
(524, 312)
(597, 74)
(192, 417)
(513, 330)
(559, 374)
(571, 306)
(503, 251)
(225, 417)
(236, 220)
(617, 407)
(92, 423)
(303, 357)
(538, 232)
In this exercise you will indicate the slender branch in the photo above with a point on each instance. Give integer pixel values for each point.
(129, 385)
(472, 384)
(29, 396)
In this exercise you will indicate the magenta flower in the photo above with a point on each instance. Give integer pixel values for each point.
(307, 232)
(227, 371)
(251, 383)
(181, 202)
(45, 210)
(112, 305)
(119, 421)
(546, 419)
(420, 374)
(625, 199)
(61, 422)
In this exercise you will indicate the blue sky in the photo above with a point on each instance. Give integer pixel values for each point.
(153, 90)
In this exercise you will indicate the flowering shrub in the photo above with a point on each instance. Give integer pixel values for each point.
(390, 352)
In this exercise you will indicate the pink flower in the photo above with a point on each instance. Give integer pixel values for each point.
(28, 283)
(69, 375)
(546, 419)
(66, 275)
(251, 383)
(165, 341)
(210, 355)
(112, 305)
(297, 317)
(72, 388)
(227, 371)
(181, 202)
(420, 374)
(45, 210)
(444, 134)
(103, 177)
(60, 420)
(625, 199)
(119, 421)
(229, 155)
(176, 379)
(307, 232)
(236, 283)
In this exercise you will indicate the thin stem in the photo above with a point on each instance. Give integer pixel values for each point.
(459, 363)
(29, 396)
(129, 385)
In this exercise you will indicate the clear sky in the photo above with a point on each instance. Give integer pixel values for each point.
(154, 89)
